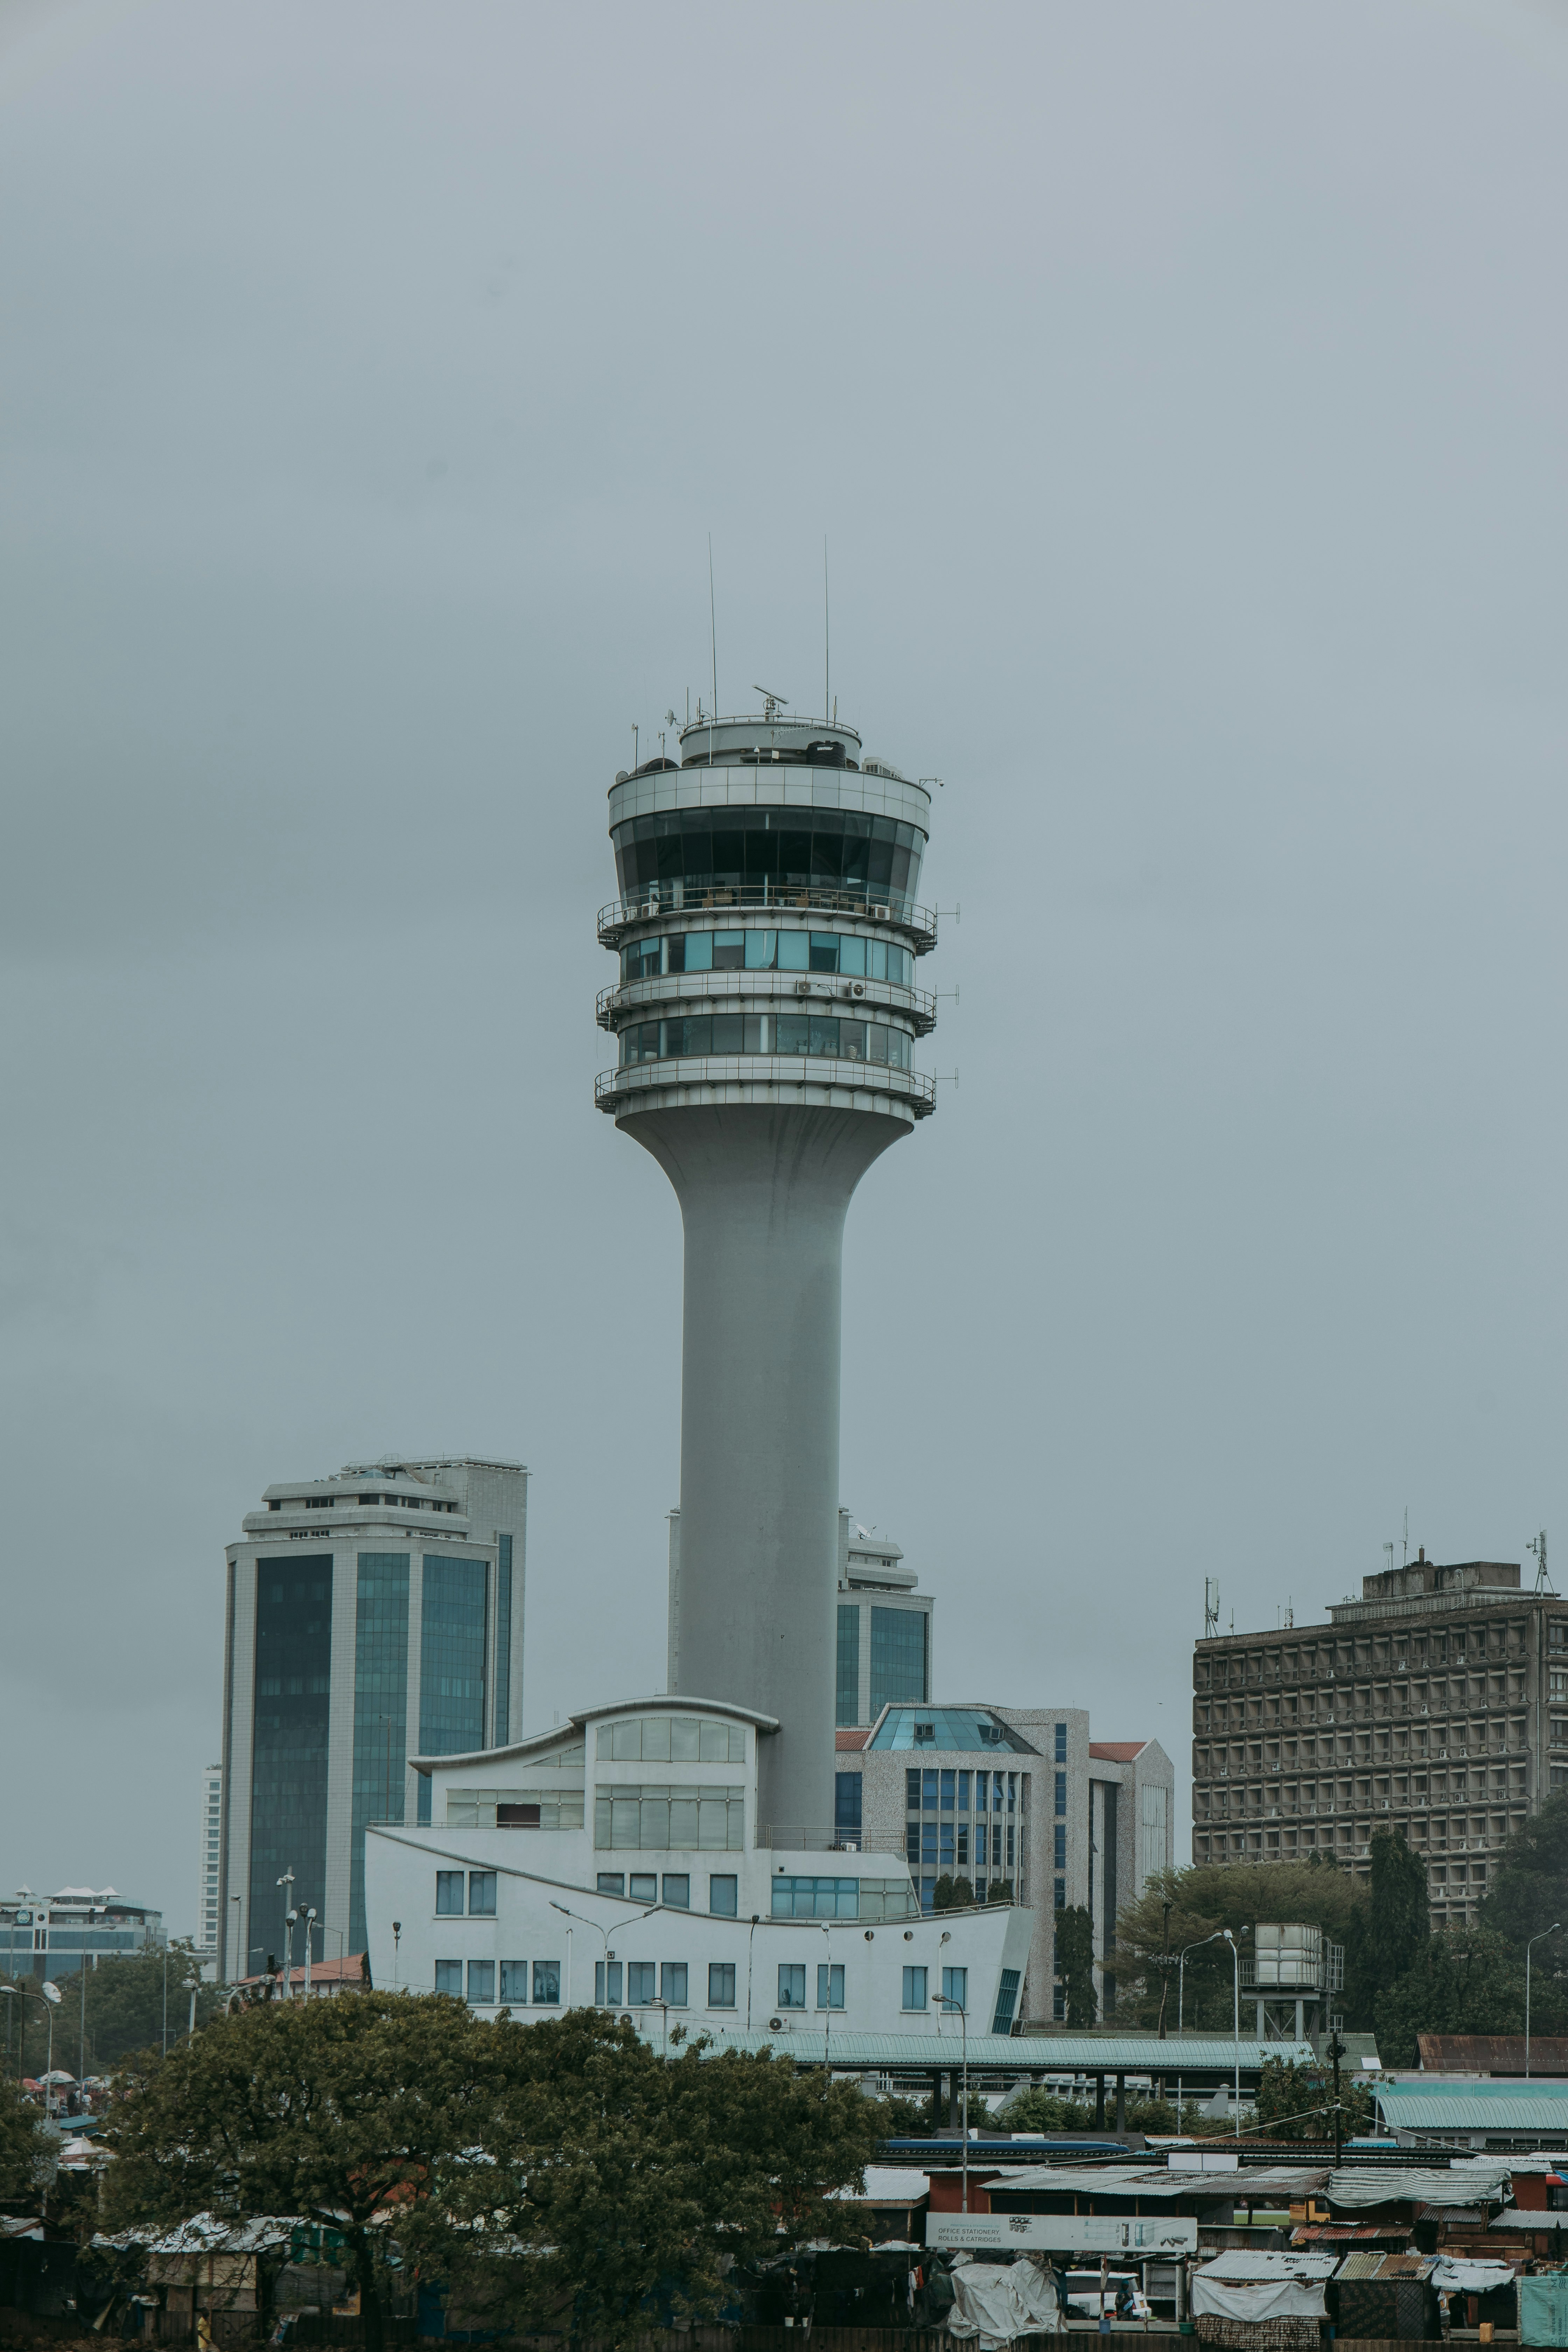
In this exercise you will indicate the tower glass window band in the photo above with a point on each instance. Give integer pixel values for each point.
(900, 1667)
(288, 1743)
(760, 950)
(855, 856)
(452, 1657)
(381, 1711)
(848, 1710)
(697, 1035)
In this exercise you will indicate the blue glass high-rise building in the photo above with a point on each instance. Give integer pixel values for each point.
(370, 1616)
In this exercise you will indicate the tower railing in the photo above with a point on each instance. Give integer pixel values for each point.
(673, 987)
(914, 1088)
(687, 894)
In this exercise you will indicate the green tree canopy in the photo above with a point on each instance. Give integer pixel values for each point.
(22, 2139)
(627, 2174)
(1294, 2102)
(1390, 1933)
(1464, 1979)
(1205, 1898)
(124, 2008)
(1075, 1964)
(1529, 1890)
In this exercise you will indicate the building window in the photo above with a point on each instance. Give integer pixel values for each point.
(900, 1675)
(722, 1893)
(503, 1641)
(1060, 1858)
(607, 1984)
(848, 1708)
(1006, 2001)
(672, 1983)
(682, 1819)
(829, 1985)
(482, 1983)
(613, 1882)
(914, 1988)
(288, 1736)
(643, 1886)
(381, 1711)
(791, 1984)
(514, 1981)
(547, 1983)
(449, 1976)
(1061, 1754)
(452, 1657)
(677, 1890)
(1061, 1792)
(670, 1739)
(847, 1787)
(1059, 2001)
(721, 1984)
(1060, 1901)
(956, 1988)
(448, 1895)
(481, 1894)
(639, 1983)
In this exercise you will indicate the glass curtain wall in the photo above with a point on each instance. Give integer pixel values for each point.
(289, 1751)
(849, 1679)
(381, 1711)
(503, 1641)
(452, 1658)
(899, 1665)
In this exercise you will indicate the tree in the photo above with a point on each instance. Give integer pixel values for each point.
(1528, 1887)
(1288, 2092)
(628, 2176)
(22, 2140)
(1388, 1935)
(125, 2008)
(1207, 1898)
(1075, 1963)
(332, 2110)
(1464, 1979)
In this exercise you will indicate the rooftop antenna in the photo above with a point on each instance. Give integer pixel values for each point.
(1211, 1607)
(1289, 1613)
(713, 641)
(826, 640)
(1406, 1559)
(770, 702)
(1542, 1582)
(1388, 1555)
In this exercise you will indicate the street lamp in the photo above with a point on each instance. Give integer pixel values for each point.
(50, 1997)
(1532, 1939)
(396, 1939)
(604, 1933)
(310, 1926)
(1181, 1969)
(1235, 1957)
(289, 1916)
(945, 2002)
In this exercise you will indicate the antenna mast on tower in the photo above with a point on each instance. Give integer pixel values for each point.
(1211, 1607)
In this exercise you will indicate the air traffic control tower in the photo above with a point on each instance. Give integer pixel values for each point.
(765, 1019)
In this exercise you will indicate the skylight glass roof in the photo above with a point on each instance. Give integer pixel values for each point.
(972, 1729)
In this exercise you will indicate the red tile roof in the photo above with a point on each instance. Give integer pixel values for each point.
(1117, 1751)
(847, 1741)
(349, 1970)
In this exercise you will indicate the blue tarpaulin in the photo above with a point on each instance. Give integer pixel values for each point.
(1543, 2309)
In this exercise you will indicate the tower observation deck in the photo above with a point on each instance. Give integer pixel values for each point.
(768, 929)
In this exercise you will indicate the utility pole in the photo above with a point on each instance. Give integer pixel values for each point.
(1336, 2052)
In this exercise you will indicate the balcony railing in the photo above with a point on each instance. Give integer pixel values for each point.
(792, 1837)
(796, 990)
(613, 1089)
(687, 896)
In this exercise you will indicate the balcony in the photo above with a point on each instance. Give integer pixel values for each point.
(792, 1837)
(616, 1091)
(797, 990)
(918, 924)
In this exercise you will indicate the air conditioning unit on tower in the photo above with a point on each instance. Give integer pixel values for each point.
(882, 914)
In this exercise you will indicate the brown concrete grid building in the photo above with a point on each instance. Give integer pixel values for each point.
(1437, 1703)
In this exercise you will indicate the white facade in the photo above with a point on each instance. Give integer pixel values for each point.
(615, 1861)
(1019, 1798)
(209, 1900)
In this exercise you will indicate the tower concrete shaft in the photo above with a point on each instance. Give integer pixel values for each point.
(767, 1012)
(763, 1191)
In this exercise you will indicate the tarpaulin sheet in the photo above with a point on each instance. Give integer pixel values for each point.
(1543, 2309)
(1264, 2299)
(1451, 2276)
(1367, 2185)
(994, 2303)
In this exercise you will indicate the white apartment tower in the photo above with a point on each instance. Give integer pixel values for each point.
(209, 1900)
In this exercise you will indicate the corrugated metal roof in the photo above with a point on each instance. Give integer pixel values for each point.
(1340, 2233)
(1254, 2184)
(1237, 2264)
(1367, 2185)
(1038, 2053)
(1384, 2266)
(1514, 2217)
(1473, 2106)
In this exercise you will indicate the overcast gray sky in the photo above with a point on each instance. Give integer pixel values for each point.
(1181, 389)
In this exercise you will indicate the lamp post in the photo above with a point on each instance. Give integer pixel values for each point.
(94, 1911)
(663, 2006)
(287, 1882)
(396, 1939)
(1181, 1969)
(1532, 1939)
(944, 2002)
(310, 1928)
(165, 1999)
(604, 1933)
(827, 2010)
(1235, 1957)
(240, 1957)
(50, 1997)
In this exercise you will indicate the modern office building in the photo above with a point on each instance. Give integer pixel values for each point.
(766, 1015)
(50, 1934)
(882, 1654)
(619, 1860)
(209, 1897)
(1436, 1704)
(1022, 1804)
(368, 1613)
